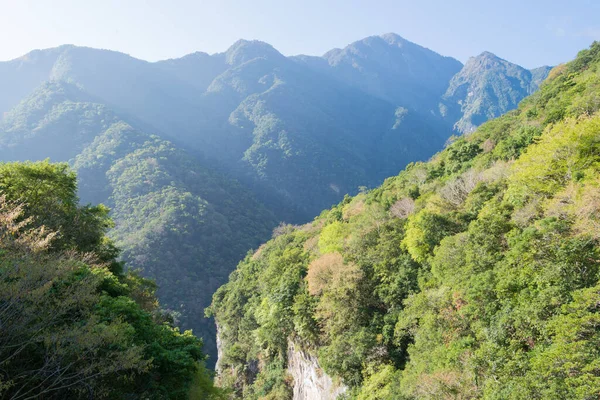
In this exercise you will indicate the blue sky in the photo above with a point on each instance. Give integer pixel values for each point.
(527, 32)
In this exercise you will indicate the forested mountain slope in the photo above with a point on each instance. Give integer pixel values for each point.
(182, 224)
(472, 275)
(74, 324)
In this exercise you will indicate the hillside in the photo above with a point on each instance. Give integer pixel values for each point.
(74, 324)
(472, 275)
(182, 224)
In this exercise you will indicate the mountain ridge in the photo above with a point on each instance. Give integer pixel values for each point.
(283, 134)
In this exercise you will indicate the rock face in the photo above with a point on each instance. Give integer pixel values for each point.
(487, 87)
(310, 382)
(219, 351)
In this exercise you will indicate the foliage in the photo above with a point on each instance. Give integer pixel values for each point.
(296, 132)
(71, 324)
(483, 285)
(177, 222)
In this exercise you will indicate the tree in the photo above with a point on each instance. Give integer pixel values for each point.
(72, 324)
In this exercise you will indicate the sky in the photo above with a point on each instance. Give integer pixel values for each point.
(527, 32)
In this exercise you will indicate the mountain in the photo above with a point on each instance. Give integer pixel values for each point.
(181, 223)
(21, 76)
(200, 157)
(487, 87)
(282, 126)
(296, 128)
(394, 69)
(196, 69)
(331, 137)
(538, 75)
(277, 125)
(472, 275)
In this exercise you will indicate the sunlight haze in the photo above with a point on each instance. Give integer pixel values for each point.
(154, 30)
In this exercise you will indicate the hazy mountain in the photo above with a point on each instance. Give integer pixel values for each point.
(394, 69)
(487, 87)
(538, 75)
(196, 155)
(303, 130)
(182, 223)
(19, 77)
(287, 125)
(196, 69)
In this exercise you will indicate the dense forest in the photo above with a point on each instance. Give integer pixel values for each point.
(200, 157)
(179, 222)
(473, 275)
(74, 323)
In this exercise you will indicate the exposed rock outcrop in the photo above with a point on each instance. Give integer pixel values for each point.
(310, 381)
(219, 351)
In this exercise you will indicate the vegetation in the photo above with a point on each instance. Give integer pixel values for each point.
(72, 323)
(175, 220)
(199, 157)
(181, 224)
(473, 275)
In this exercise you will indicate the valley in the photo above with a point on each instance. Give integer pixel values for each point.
(200, 158)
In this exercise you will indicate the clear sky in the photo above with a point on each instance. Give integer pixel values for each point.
(527, 32)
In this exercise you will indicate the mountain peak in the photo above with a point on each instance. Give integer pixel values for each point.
(469, 90)
(488, 60)
(487, 54)
(394, 69)
(393, 38)
(197, 55)
(37, 55)
(246, 50)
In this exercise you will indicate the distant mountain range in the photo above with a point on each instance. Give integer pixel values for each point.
(200, 156)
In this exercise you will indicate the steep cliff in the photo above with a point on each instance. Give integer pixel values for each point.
(310, 381)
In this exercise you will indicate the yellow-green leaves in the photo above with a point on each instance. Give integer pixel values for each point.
(333, 236)
(568, 151)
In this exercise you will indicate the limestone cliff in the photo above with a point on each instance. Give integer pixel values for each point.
(310, 382)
